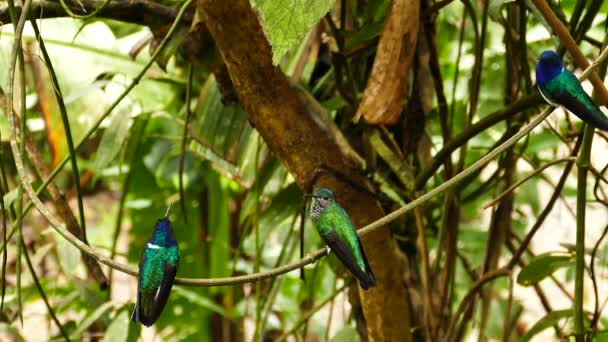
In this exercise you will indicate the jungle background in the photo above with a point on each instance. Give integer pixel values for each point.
(232, 110)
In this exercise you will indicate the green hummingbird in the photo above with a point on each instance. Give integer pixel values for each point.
(157, 269)
(560, 87)
(338, 232)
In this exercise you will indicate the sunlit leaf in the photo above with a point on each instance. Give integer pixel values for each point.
(91, 318)
(113, 139)
(547, 321)
(542, 266)
(346, 334)
(199, 300)
(285, 23)
(495, 6)
(69, 256)
(122, 329)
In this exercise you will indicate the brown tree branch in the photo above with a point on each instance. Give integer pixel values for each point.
(141, 12)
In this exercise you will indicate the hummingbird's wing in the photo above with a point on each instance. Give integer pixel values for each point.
(162, 294)
(348, 259)
(575, 99)
(147, 313)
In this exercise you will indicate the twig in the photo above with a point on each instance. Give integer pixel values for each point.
(17, 53)
(501, 272)
(481, 125)
(182, 152)
(505, 328)
(141, 12)
(312, 311)
(42, 294)
(596, 311)
(525, 179)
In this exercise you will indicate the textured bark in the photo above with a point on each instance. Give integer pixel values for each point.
(387, 85)
(299, 131)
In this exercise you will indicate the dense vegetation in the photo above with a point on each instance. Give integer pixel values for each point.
(231, 110)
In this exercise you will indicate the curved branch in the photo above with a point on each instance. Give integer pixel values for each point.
(461, 139)
(141, 12)
(525, 179)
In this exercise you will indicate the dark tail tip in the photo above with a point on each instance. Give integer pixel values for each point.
(138, 318)
(368, 282)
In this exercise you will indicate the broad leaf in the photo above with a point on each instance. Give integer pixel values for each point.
(288, 22)
(495, 6)
(549, 320)
(121, 328)
(542, 266)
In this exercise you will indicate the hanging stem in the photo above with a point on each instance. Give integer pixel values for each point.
(581, 203)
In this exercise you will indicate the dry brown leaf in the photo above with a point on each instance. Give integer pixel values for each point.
(387, 85)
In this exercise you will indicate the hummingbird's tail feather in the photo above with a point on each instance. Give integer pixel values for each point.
(348, 259)
(581, 105)
(140, 317)
(597, 119)
(367, 282)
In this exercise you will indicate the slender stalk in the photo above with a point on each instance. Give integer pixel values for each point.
(66, 126)
(182, 152)
(581, 202)
(17, 54)
(42, 294)
(86, 16)
(312, 311)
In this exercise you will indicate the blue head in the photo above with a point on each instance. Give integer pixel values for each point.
(548, 67)
(163, 233)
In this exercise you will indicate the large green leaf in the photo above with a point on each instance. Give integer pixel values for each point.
(113, 139)
(198, 299)
(91, 318)
(288, 22)
(542, 266)
(550, 319)
(122, 329)
(346, 334)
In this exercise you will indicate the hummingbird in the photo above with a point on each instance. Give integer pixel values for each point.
(157, 269)
(338, 232)
(559, 86)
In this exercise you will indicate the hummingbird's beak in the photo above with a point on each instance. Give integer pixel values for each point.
(309, 195)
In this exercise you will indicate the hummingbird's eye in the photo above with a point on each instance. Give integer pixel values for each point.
(325, 198)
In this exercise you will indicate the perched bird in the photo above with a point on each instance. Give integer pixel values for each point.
(560, 87)
(157, 270)
(338, 232)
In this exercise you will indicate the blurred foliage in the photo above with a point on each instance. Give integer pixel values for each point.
(241, 204)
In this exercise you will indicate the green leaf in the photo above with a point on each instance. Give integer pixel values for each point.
(196, 298)
(542, 266)
(90, 319)
(88, 294)
(10, 332)
(287, 22)
(69, 256)
(495, 7)
(121, 328)
(10, 197)
(346, 334)
(549, 320)
(112, 140)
